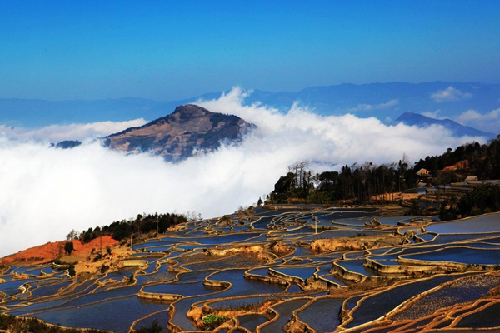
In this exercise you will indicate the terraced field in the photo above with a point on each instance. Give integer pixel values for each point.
(316, 270)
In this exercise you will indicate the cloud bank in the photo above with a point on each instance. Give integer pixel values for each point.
(450, 94)
(80, 132)
(369, 107)
(47, 191)
(488, 122)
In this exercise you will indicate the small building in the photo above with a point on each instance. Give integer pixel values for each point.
(423, 173)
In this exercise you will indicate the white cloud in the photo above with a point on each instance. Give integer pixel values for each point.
(57, 133)
(369, 107)
(486, 122)
(450, 94)
(46, 192)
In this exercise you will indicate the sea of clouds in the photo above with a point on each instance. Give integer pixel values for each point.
(46, 192)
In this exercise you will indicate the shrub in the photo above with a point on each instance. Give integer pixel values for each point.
(210, 322)
(68, 247)
(71, 270)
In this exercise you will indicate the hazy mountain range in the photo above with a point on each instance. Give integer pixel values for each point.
(386, 101)
(415, 119)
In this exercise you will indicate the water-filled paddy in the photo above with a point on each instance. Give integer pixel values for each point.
(376, 306)
(240, 237)
(393, 220)
(163, 248)
(244, 287)
(352, 302)
(251, 321)
(486, 318)
(285, 312)
(463, 290)
(427, 237)
(445, 239)
(193, 276)
(37, 306)
(293, 289)
(193, 249)
(340, 233)
(151, 243)
(103, 295)
(322, 314)
(234, 261)
(49, 289)
(487, 223)
(161, 318)
(301, 272)
(12, 287)
(462, 255)
(302, 251)
(156, 277)
(359, 222)
(184, 289)
(114, 315)
(356, 266)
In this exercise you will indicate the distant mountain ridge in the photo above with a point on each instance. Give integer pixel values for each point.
(174, 137)
(385, 101)
(456, 129)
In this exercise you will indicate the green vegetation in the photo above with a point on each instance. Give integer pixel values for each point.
(143, 224)
(479, 160)
(481, 200)
(357, 183)
(68, 247)
(210, 322)
(360, 183)
(71, 270)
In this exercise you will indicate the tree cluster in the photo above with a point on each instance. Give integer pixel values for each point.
(476, 159)
(357, 183)
(142, 224)
(362, 183)
(481, 200)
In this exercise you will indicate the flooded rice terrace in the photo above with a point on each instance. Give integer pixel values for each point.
(303, 270)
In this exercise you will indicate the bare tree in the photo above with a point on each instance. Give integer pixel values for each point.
(298, 169)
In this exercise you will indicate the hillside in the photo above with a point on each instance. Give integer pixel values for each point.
(53, 250)
(456, 129)
(188, 129)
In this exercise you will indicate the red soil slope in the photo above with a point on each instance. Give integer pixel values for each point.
(52, 250)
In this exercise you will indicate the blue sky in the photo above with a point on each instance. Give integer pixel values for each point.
(169, 50)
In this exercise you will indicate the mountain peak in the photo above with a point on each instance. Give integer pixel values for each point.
(190, 109)
(175, 137)
(456, 129)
